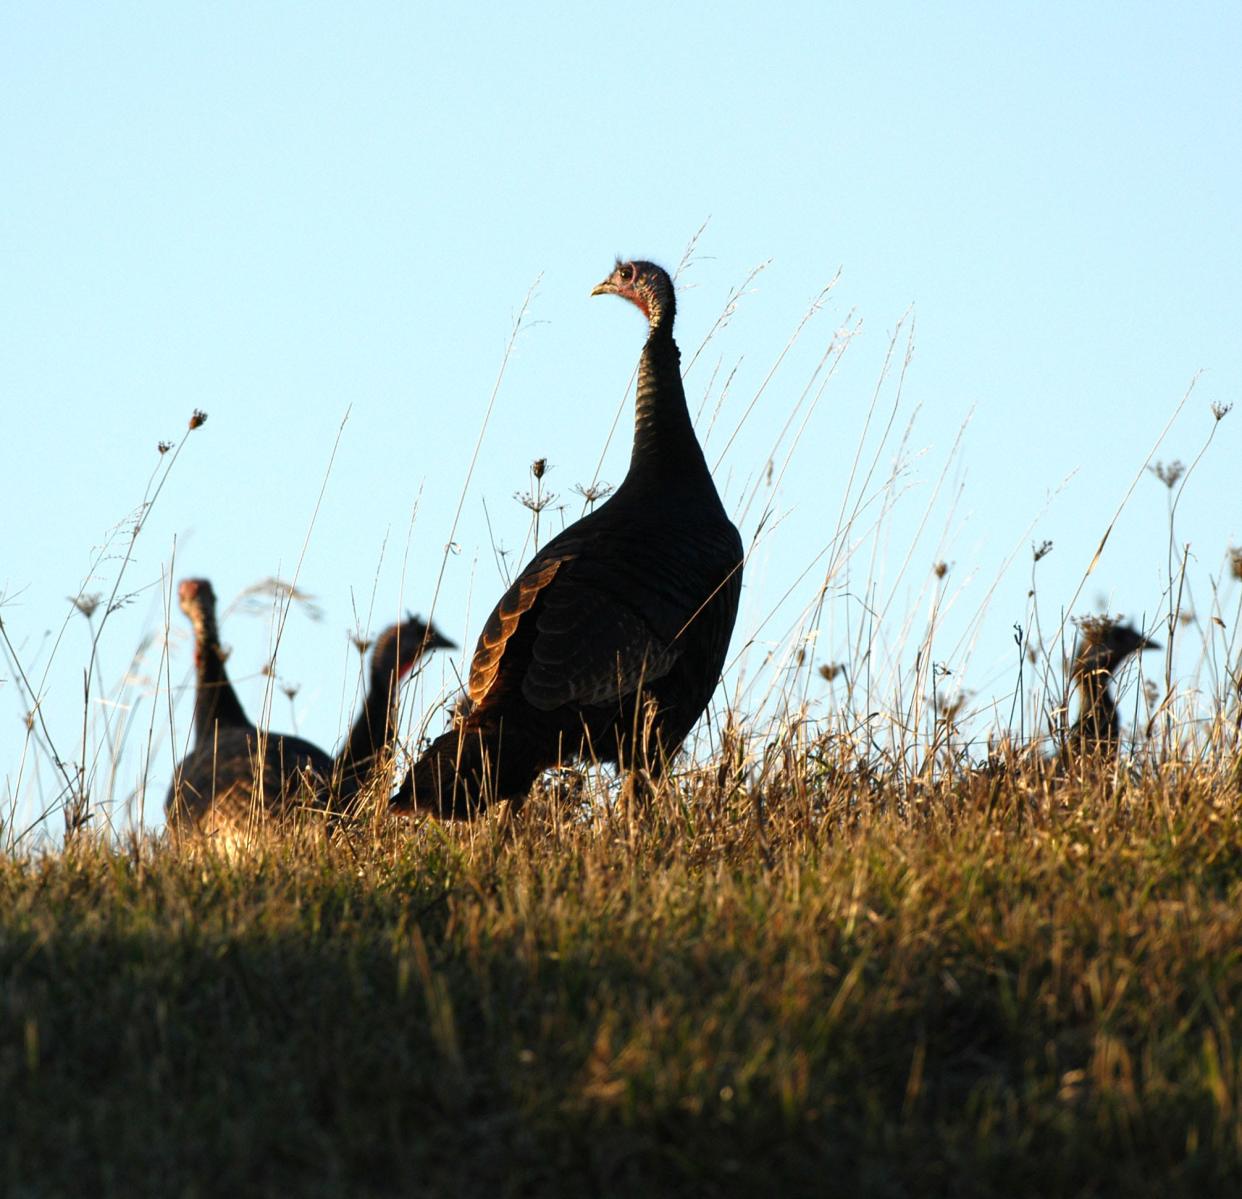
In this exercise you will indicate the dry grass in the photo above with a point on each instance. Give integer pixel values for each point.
(836, 954)
(825, 980)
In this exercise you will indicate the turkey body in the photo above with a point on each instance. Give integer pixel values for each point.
(611, 641)
(242, 776)
(234, 774)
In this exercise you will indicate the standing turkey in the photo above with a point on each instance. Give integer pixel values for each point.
(610, 642)
(396, 651)
(1106, 645)
(234, 774)
(225, 785)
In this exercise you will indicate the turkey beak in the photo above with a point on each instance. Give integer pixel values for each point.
(607, 288)
(1146, 643)
(433, 638)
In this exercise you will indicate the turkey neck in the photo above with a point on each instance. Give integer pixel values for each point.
(665, 446)
(1098, 708)
(376, 721)
(215, 701)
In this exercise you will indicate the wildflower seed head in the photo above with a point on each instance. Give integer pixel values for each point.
(1220, 411)
(164, 446)
(257, 598)
(1169, 473)
(1097, 628)
(535, 502)
(593, 491)
(940, 569)
(197, 417)
(539, 467)
(86, 604)
(1042, 550)
(950, 707)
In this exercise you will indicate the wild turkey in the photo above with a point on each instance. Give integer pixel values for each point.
(217, 786)
(222, 784)
(393, 656)
(1106, 644)
(611, 641)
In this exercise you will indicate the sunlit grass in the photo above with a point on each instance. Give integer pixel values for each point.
(868, 939)
(782, 969)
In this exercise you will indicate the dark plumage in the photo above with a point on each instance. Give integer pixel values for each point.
(610, 642)
(234, 774)
(224, 785)
(1106, 644)
(396, 651)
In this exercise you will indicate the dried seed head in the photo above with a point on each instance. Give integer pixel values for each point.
(536, 503)
(290, 689)
(361, 643)
(830, 670)
(256, 598)
(1042, 550)
(164, 446)
(197, 417)
(1220, 411)
(593, 491)
(1169, 473)
(1095, 628)
(86, 604)
(940, 569)
(539, 467)
(950, 708)
(1235, 562)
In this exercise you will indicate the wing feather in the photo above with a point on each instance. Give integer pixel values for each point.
(503, 623)
(603, 624)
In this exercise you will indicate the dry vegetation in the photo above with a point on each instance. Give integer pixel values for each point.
(847, 948)
(814, 979)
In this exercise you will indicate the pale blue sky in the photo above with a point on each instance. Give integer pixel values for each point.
(281, 213)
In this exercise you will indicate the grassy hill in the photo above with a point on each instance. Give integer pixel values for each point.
(802, 980)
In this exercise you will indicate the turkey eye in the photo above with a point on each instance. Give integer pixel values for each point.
(627, 274)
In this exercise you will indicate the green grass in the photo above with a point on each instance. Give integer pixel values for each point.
(997, 985)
